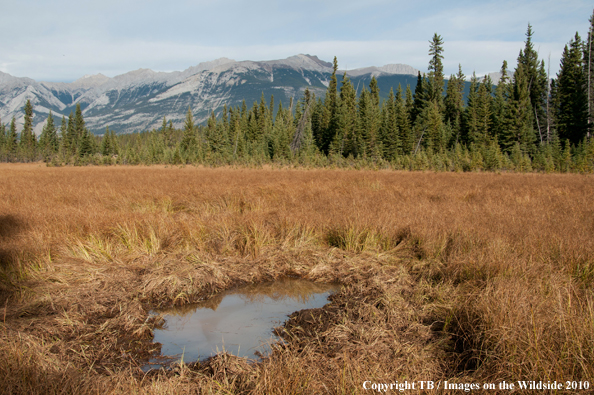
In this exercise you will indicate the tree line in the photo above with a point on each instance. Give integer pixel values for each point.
(526, 121)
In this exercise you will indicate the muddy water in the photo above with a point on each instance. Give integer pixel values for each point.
(238, 321)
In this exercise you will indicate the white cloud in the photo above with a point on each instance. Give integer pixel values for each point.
(64, 40)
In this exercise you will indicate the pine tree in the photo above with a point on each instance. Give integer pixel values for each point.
(572, 113)
(344, 141)
(500, 108)
(71, 140)
(106, 146)
(11, 139)
(536, 81)
(188, 142)
(454, 102)
(389, 132)
(435, 77)
(64, 135)
(419, 100)
(28, 141)
(48, 140)
(484, 104)
(329, 121)
(86, 146)
(2, 139)
(79, 122)
(470, 130)
(589, 73)
(521, 129)
(404, 125)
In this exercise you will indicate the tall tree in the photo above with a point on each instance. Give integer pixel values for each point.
(11, 139)
(500, 111)
(435, 77)
(521, 128)
(589, 72)
(48, 140)
(536, 81)
(572, 116)
(330, 113)
(454, 102)
(189, 138)
(28, 141)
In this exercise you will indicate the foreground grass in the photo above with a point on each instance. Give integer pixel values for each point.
(465, 277)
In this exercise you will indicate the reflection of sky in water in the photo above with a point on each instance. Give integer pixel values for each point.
(239, 321)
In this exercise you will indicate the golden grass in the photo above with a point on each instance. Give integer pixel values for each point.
(466, 277)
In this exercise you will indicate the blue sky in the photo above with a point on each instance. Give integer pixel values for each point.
(62, 40)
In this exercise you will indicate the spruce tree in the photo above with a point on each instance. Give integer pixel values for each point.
(454, 103)
(536, 81)
(500, 108)
(106, 146)
(589, 73)
(419, 100)
(11, 139)
(344, 140)
(521, 128)
(48, 140)
(2, 138)
(435, 77)
(79, 122)
(572, 113)
(189, 138)
(28, 141)
(71, 140)
(329, 121)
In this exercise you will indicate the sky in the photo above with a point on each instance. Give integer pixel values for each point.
(62, 40)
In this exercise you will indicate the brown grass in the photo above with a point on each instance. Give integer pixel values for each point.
(465, 277)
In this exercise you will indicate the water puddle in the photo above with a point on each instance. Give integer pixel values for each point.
(238, 321)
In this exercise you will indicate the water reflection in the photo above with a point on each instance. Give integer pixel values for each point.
(239, 321)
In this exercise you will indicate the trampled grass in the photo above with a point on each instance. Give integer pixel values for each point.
(467, 277)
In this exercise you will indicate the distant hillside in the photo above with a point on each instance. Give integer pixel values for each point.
(138, 100)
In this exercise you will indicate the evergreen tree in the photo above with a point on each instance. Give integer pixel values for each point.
(454, 103)
(500, 110)
(86, 144)
(345, 140)
(419, 98)
(79, 123)
(521, 129)
(70, 143)
(572, 113)
(470, 131)
(28, 141)
(329, 120)
(484, 105)
(2, 138)
(188, 142)
(389, 131)
(11, 139)
(48, 140)
(106, 143)
(404, 125)
(536, 81)
(435, 77)
(589, 73)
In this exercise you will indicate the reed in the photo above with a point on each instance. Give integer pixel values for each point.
(472, 277)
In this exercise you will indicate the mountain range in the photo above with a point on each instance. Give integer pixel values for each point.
(138, 100)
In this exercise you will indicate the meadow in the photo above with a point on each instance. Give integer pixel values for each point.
(465, 277)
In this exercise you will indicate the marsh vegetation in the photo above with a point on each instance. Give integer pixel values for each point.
(468, 277)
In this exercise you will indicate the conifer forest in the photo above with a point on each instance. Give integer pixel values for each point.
(472, 273)
(527, 121)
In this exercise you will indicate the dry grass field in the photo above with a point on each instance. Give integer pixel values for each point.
(470, 278)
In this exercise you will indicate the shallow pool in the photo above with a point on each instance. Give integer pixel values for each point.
(238, 321)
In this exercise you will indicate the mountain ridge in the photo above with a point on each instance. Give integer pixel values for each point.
(139, 99)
